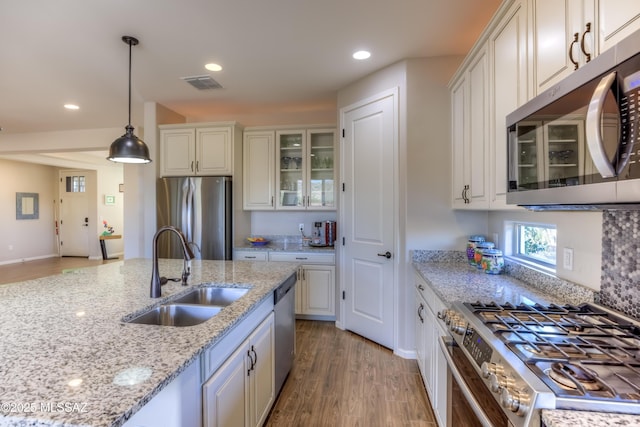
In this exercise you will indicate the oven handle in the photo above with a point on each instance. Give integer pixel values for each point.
(475, 406)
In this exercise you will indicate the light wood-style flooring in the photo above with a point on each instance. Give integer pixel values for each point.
(17, 272)
(342, 379)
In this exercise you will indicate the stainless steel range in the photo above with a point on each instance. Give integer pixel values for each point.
(583, 357)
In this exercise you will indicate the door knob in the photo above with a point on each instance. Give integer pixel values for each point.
(387, 255)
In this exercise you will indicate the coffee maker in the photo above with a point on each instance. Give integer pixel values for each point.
(325, 233)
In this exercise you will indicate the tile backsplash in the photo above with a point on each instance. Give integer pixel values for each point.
(620, 281)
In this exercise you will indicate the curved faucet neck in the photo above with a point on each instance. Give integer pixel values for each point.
(156, 285)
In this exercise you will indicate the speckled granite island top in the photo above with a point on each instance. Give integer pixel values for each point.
(64, 349)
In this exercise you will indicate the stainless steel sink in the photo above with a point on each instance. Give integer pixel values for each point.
(212, 295)
(177, 315)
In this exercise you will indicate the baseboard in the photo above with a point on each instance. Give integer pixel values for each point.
(405, 354)
(21, 260)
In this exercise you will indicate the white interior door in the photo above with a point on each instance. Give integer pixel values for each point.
(368, 206)
(74, 214)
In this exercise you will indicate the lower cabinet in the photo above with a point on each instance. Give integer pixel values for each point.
(241, 392)
(316, 285)
(315, 288)
(431, 360)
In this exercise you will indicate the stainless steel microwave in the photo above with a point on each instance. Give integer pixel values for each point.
(576, 146)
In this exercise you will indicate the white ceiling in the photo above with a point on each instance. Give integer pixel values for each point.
(278, 55)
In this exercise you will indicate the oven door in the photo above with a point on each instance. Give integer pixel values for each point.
(470, 403)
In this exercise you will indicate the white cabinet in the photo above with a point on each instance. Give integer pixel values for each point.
(510, 88)
(566, 35)
(470, 133)
(316, 291)
(616, 20)
(431, 361)
(207, 149)
(241, 392)
(315, 286)
(250, 255)
(289, 169)
(258, 153)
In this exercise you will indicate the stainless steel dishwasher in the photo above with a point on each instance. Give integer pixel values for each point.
(285, 326)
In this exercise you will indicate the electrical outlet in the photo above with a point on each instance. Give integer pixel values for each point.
(301, 227)
(567, 259)
(10, 247)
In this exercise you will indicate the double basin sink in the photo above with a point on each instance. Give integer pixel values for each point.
(193, 308)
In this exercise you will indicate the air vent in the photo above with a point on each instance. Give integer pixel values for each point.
(202, 82)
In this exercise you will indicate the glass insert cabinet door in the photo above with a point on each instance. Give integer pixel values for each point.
(321, 190)
(291, 154)
(306, 169)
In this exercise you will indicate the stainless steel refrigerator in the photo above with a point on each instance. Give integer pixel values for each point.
(201, 208)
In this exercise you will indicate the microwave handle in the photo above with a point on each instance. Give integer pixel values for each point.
(593, 130)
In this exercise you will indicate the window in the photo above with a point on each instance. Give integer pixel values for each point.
(75, 184)
(535, 243)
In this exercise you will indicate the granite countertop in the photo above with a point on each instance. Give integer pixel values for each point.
(69, 327)
(458, 281)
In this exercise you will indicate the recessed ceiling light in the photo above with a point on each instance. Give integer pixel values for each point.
(213, 67)
(361, 54)
(71, 107)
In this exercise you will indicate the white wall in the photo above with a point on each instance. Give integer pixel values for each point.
(426, 219)
(286, 223)
(109, 176)
(28, 238)
(581, 231)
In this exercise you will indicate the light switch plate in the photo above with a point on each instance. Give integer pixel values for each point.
(567, 259)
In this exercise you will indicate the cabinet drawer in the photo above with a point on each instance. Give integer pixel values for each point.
(305, 257)
(250, 255)
(433, 302)
(213, 357)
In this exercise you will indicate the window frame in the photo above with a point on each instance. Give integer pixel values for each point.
(517, 245)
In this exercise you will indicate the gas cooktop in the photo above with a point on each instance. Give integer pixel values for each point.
(579, 352)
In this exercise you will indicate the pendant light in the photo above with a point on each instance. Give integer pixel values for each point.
(129, 148)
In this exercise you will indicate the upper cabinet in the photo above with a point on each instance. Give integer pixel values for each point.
(568, 34)
(258, 155)
(300, 172)
(202, 149)
(528, 46)
(510, 88)
(616, 20)
(470, 133)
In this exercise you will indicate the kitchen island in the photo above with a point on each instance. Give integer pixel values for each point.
(67, 358)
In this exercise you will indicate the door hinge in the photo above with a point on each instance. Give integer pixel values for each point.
(344, 295)
(343, 186)
(61, 242)
(343, 133)
(343, 241)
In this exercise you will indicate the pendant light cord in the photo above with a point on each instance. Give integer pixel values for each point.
(129, 42)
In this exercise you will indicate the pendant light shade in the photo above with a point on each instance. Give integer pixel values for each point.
(129, 148)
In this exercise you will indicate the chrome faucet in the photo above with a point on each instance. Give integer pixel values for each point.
(156, 280)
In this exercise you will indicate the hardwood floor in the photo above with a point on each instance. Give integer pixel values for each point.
(342, 379)
(28, 270)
